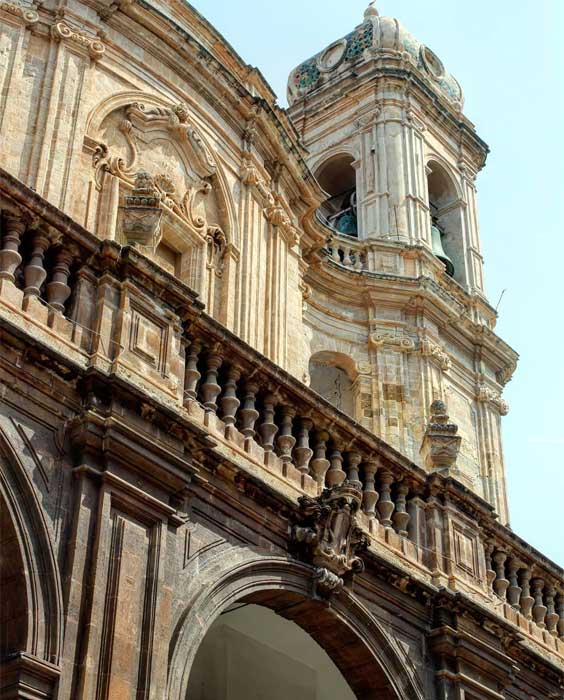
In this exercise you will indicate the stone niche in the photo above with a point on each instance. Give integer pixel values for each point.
(158, 187)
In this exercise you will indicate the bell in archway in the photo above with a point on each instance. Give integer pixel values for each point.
(439, 251)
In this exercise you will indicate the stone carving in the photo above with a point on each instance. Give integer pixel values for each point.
(506, 373)
(487, 395)
(141, 215)
(436, 353)
(28, 15)
(182, 194)
(328, 534)
(273, 210)
(92, 44)
(441, 444)
(401, 342)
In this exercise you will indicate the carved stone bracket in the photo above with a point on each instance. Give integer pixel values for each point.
(92, 44)
(327, 534)
(506, 373)
(487, 395)
(28, 15)
(441, 444)
(436, 353)
(401, 342)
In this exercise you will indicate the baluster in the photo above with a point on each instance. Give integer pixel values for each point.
(302, 451)
(14, 228)
(539, 609)
(34, 271)
(229, 401)
(249, 413)
(401, 516)
(500, 583)
(191, 374)
(560, 607)
(268, 427)
(385, 504)
(358, 262)
(527, 599)
(319, 463)
(58, 291)
(347, 262)
(335, 255)
(353, 462)
(336, 475)
(490, 573)
(210, 388)
(370, 496)
(417, 526)
(514, 590)
(286, 440)
(551, 618)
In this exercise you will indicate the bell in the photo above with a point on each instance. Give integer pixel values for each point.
(439, 251)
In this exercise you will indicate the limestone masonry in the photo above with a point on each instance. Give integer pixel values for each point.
(248, 367)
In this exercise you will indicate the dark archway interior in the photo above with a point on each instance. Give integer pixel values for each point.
(13, 599)
(342, 644)
(338, 178)
(446, 215)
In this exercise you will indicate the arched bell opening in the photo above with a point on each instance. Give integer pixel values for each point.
(447, 230)
(332, 375)
(251, 651)
(337, 177)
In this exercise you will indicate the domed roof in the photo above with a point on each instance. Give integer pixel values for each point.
(376, 34)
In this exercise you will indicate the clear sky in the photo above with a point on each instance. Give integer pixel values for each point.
(508, 56)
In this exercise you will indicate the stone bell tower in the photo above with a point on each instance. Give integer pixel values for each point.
(397, 317)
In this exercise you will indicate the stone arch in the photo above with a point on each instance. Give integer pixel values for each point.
(333, 376)
(446, 207)
(368, 658)
(337, 175)
(39, 604)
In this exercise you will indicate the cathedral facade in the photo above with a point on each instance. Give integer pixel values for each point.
(251, 389)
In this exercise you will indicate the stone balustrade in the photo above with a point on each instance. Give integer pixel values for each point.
(95, 306)
(529, 589)
(348, 252)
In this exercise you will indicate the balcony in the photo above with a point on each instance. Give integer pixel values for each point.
(87, 308)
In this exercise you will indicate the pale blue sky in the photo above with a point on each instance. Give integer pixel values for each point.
(508, 55)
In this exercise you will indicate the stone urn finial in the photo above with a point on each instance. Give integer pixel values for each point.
(371, 10)
(141, 214)
(441, 444)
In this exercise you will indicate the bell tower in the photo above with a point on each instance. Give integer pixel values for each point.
(398, 316)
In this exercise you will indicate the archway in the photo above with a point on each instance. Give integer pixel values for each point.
(446, 212)
(337, 177)
(332, 376)
(368, 658)
(251, 651)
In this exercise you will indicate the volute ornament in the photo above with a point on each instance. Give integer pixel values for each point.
(327, 534)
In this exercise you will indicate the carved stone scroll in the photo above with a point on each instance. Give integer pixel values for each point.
(328, 534)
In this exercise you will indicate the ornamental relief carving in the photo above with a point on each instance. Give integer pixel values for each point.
(273, 208)
(328, 535)
(61, 31)
(436, 353)
(487, 395)
(164, 144)
(393, 339)
(27, 14)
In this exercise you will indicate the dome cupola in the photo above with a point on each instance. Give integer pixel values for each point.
(381, 39)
